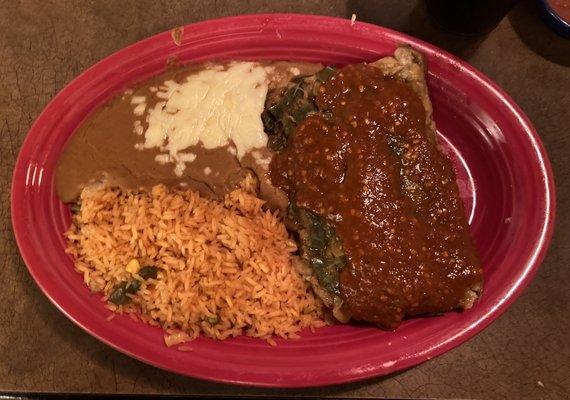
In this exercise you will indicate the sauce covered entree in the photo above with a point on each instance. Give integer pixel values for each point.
(365, 164)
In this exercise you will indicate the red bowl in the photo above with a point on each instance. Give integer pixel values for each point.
(503, 172)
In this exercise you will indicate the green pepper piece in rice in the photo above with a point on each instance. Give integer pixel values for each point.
(119, 296)
(148, 272)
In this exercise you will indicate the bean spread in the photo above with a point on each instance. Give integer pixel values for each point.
(367, 163)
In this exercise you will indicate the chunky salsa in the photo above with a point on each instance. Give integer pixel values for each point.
(367, 165)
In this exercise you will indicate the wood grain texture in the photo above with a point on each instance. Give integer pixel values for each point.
(45, 44)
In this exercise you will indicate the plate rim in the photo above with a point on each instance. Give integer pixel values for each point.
(524, 277)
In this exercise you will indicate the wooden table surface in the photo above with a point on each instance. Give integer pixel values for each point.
(45, 44)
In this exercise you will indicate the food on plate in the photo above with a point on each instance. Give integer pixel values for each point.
(256, 197)
(196, 126)
(375, 201)
(190, 264)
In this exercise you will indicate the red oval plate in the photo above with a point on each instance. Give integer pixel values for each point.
(503, 172)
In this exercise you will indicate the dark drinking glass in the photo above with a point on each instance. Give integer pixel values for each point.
(469, 17)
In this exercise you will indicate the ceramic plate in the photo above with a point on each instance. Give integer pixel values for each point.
(503, 173)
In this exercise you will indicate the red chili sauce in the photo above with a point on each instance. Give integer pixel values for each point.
(366, 164)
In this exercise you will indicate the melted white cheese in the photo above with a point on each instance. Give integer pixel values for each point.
(213, 107)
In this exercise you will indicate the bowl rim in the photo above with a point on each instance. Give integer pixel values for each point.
(555, 17)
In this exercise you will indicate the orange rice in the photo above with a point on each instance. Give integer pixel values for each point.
(225, 268)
